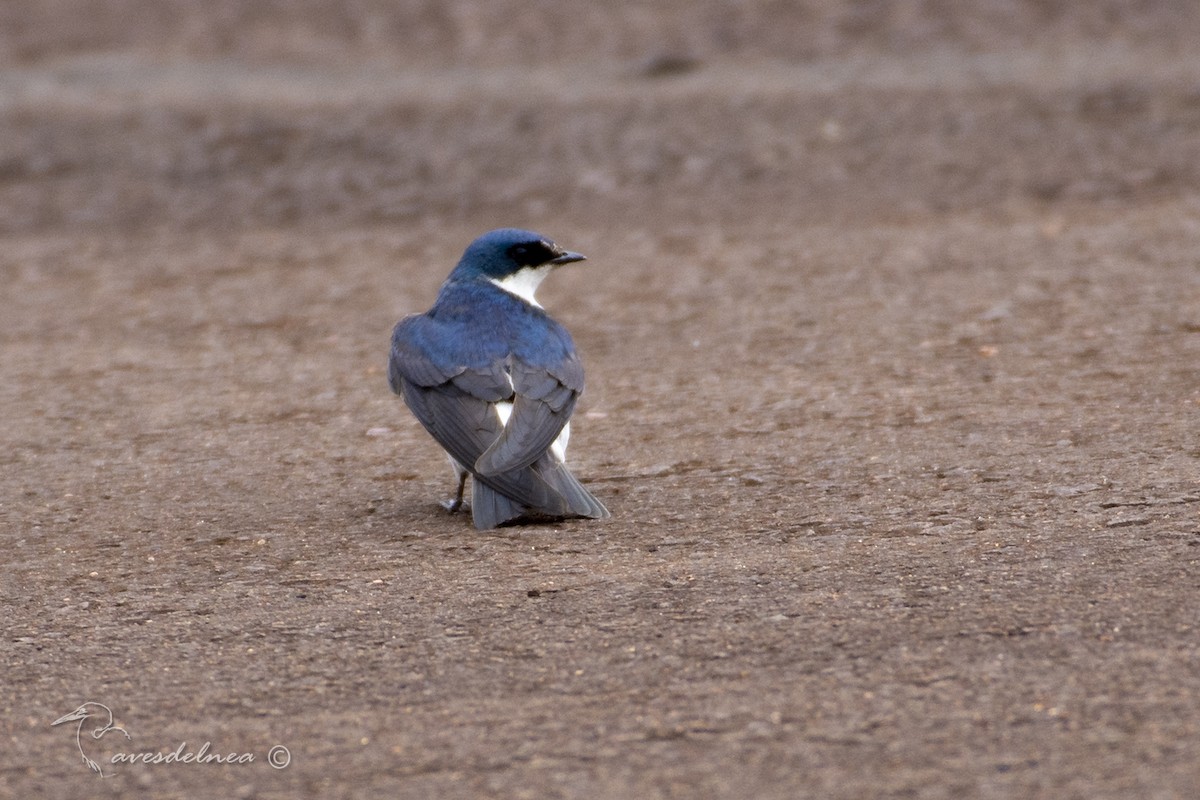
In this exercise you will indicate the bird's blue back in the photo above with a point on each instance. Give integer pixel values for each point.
(474, 323)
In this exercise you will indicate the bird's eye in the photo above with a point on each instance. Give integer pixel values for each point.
(529, 255)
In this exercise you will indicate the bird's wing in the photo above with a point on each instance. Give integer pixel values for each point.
(456, 404)
(451, 393)
(545, 397)
(465, 426)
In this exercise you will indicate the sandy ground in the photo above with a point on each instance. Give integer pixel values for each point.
(892, 327)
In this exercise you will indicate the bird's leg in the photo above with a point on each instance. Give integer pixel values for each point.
(457, 503)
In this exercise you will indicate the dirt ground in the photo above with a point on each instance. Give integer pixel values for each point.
(891, 320)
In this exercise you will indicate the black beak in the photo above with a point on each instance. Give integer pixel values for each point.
(567, 258)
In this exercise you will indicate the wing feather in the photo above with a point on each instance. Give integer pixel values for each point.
(542, 407)
(453, 392)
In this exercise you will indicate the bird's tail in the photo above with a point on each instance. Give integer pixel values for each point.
(579, 500)
(560, 495)
(489, 508)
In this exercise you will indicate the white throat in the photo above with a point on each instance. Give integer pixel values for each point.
(524, 283)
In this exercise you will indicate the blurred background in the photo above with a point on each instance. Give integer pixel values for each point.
(129, 113)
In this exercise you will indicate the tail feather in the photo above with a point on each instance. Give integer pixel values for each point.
(562, 493)
(579, 500)
(489, 508)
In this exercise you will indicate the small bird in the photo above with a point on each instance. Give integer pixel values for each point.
(495, 379)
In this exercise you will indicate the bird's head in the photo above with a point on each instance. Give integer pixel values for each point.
(515, 260)
(76, 715)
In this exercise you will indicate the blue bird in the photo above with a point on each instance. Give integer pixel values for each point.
(495, 379)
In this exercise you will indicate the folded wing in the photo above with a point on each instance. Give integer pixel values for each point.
(456, 404)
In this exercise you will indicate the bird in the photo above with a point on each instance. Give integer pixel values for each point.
(494, 379)
(95, 711)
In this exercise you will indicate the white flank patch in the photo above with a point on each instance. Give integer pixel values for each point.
(525, 282)
(504, 411)
(559, 448)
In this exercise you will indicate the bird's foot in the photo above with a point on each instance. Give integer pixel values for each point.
(456, 504)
